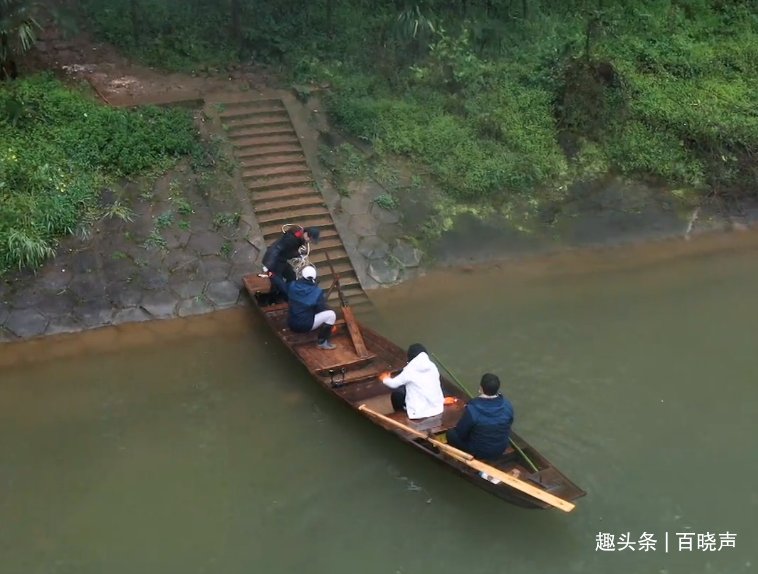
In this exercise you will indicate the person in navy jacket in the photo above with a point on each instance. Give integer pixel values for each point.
(308, 309)
(485, 426)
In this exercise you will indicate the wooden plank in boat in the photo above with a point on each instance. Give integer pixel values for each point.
(320, 360)
(436, 424)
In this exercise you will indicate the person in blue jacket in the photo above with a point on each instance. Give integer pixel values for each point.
(485, 426)
(308, 310)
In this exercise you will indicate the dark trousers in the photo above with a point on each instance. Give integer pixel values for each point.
(454, 440)
(398, 399)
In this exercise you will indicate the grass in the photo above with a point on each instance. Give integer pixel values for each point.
(59, 149)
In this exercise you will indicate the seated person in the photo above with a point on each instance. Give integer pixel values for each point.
(484, 428)
(277, 256)
(308, 310)
(418, 388)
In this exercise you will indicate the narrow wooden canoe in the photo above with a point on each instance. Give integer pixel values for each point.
(353, 377)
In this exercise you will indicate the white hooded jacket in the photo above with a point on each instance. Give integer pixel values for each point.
(423, 392)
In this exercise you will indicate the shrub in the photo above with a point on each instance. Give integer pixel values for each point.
(58, 148)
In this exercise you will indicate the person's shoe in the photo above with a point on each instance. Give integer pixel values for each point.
(326, 345)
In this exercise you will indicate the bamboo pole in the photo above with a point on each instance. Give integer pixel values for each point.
(478, 465)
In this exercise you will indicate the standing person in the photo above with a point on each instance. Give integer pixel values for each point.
(417, 387)
(277, 256)
(308, 310)
(485, 426)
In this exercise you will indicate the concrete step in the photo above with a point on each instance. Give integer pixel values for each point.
(296, 214)
(262, 151)
(261, 132)
(258, 173)
(281, 182)
(265, 141)
(289, 158)
(288, 204)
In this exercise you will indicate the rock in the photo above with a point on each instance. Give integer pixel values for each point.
(213, 268)
(26, 323)
(187, 289)
(206, 243)
(355, 204)
(384, 215)
(160, 304)
(363, 225)
(407, 254)
(382, 271)
(373, 247)
(223, 293)
(131, 315)
(194, 306)
(63, 324)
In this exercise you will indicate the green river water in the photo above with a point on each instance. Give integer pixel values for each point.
(200, 446)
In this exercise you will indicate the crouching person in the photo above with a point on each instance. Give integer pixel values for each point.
(308, 310)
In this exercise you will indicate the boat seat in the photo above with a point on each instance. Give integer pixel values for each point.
(436, 424)
(293, 338)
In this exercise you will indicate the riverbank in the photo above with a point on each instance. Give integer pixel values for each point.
(194, 235)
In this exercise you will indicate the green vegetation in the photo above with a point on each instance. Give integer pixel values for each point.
(59, 148)
(18, 32)
(499, 99)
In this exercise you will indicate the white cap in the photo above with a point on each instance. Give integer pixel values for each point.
(309, 272)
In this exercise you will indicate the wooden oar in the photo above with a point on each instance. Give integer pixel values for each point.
(347, 313)
(469, 460)
(459, 384)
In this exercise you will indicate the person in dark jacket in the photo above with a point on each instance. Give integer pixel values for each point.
(277, 256)
(308, 310)
(485, 426)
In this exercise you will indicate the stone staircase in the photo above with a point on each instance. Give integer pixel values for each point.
(275, 171)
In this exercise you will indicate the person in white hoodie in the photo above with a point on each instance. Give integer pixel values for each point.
(417, 386)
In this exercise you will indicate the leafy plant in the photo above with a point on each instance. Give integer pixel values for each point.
(386, 201)
(226, 219)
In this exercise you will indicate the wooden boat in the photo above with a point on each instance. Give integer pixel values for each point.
(350, 372)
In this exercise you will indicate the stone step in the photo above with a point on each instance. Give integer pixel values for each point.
(261, 132)
(289, 158)
(324, 223)
(288, 204)
(298, 214)
(276, 194)
(343, 268)
(240, 106)
(280, 182)
(327, 243)
(335, 254)
(262, 151)
(263, 141)
(270, 119)
(297, 169)
(252, 113)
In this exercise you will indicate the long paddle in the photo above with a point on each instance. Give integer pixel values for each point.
(478, 465)
(471, 396)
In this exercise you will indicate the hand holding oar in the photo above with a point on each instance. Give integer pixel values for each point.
(471, 396)
(478, 465)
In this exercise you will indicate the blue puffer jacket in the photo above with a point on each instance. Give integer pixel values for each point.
(305, 299)
(486, 425)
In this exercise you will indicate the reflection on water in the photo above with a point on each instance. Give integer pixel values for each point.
(200, 446)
